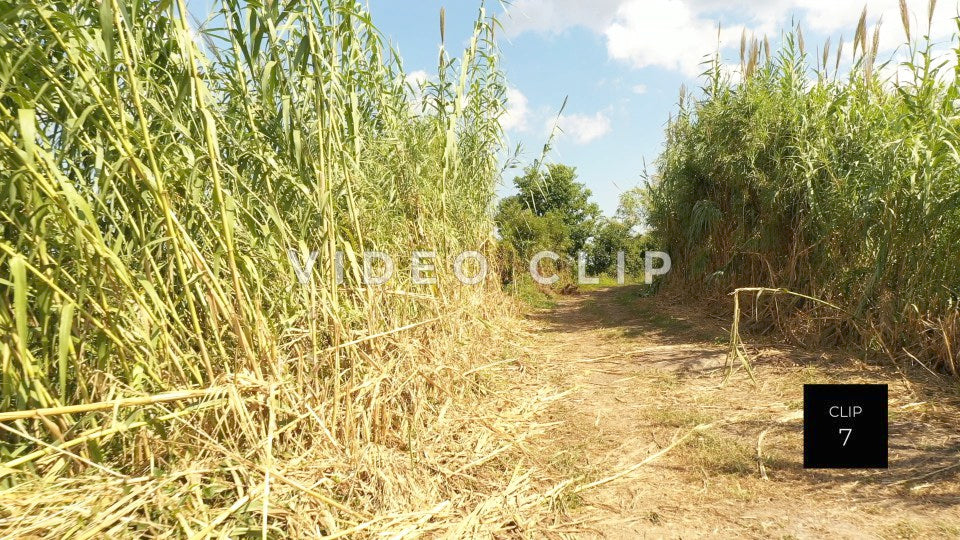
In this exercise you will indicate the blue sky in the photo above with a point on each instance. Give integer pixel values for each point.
(620, 63)
(614, 117)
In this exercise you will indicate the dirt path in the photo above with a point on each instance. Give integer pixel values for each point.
(644, 374)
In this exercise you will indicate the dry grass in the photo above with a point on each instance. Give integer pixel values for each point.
(457, 462)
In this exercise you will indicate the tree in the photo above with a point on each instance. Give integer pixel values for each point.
(526, 232)
(557, 192)
(631, 212)
(612, 236)
(620, 234)
(552, 211)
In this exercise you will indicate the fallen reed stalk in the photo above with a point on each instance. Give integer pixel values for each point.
(164, 397)
(647, 460)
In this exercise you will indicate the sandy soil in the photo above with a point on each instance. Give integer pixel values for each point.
(644, 374)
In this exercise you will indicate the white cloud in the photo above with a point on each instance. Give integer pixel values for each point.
(639, 89)
(583, 128)
(417, 78)
(841, 17)
(668, 34)
(555, 16)
(833, 16)
(679, 34)
(517, 113)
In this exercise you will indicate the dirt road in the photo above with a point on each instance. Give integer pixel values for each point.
(645, 374)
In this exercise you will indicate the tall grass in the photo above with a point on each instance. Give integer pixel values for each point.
(154, 178)
(840, 185)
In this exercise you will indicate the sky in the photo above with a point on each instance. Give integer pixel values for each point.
(619, 64)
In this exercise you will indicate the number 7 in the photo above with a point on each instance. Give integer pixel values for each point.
(847, 438)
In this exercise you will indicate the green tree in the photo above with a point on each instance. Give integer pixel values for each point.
(524, 232)
(556, 191)
(611, 236)
(552, 211)
(631, 211)
(620, 234)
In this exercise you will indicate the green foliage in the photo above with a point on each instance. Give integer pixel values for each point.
(562, 202)
(154, 179)
(631, 210)
(553, 212)
(525, 232)
(620, 235)
(845, 188)
(612, 236)
(530, 293)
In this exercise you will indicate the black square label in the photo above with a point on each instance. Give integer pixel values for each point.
(844, 426)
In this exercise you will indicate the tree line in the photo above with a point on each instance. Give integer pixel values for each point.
(553, 211)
